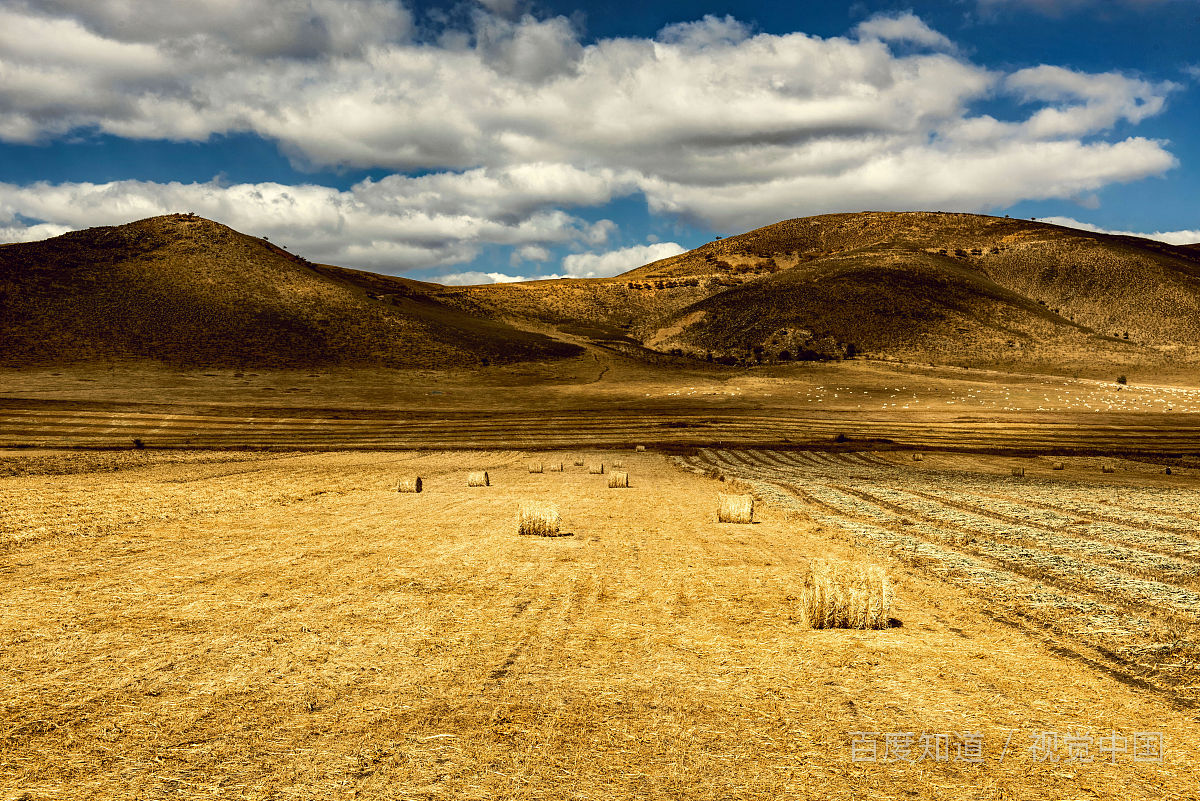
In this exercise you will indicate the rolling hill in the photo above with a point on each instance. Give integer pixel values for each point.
(185, 290)
(919, 286)
(950, 288)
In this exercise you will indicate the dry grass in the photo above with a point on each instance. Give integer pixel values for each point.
(410, 484)
(538, 518)
(331, 646)
(735, 508)
(596, 468)
(617, 479)
(478, 478)
(844, 595)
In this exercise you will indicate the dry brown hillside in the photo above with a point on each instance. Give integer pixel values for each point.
(920, 286)
(186, 290)
(959, 288)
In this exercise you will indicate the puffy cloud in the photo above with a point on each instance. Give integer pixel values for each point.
(31, 233)
(1170, 237)
(531, 51)
(260, 28)
(906, 27)
(615, 262)
(396, 224)
(1086, 102)
(995, 174)
(515, 119)
(530, 253)
(475, 277)
(711, 31)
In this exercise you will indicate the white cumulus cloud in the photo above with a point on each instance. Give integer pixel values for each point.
(615, 262)
(397, 224)
(513, 120)
(1186, 237)
(905, 27)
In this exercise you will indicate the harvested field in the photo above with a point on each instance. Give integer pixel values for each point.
(1111, 572)
(291, 626)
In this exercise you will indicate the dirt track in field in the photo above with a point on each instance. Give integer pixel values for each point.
(291, 627)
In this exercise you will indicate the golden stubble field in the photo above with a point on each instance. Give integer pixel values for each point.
(188, 625)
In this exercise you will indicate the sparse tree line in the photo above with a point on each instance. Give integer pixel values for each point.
(962, 253)
(664, 283)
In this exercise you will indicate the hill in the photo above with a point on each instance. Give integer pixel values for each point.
(958, 288)
(186, 290)
(919, 286)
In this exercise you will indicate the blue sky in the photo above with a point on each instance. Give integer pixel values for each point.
(481, 141)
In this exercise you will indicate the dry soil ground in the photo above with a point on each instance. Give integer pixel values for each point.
(288, 626)
(603, 399)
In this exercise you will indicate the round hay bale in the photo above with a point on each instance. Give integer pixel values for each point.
(596, 468)
(410, 484)
(578, 462)
(535, 467)
(735, 508)
(1058, 466)
(1018, 472)
(538, 518)
(555, 467)
(917, 457)
(478, 479)
(1107, 468)
(618, 478)
(640, 449)
(1167, 471)
(843, 595)
(617, 463)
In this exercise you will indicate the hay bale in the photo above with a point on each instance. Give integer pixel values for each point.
(618, 478)
(1058, 466)
(478, 479)
(1018, 472)
(596, 469)
(844, 595)
(578, 463)
(409, 484)
(1167, 471)
(640, 449)
(617, 463)
(535, 467)
(555, 467)
(917, 457)
(1107, 468)
(735, 508)
(538, 518)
